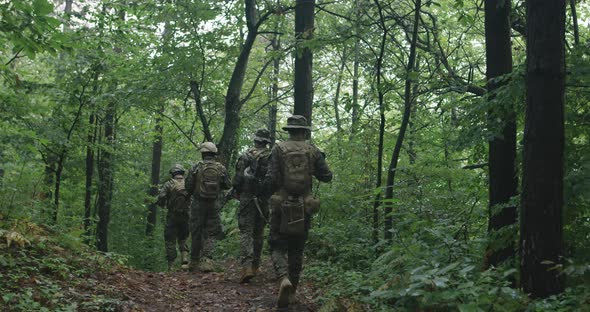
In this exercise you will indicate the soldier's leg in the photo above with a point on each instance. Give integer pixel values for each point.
(278, 246)
(296, 247)
(183, 233)
(213, 228)
(197, 225)
(258, 233)
(170, 239)
(246, 218)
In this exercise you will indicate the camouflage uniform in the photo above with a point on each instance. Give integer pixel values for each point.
(205, 220)
(287, 249)
(253, 209)
(177, 229)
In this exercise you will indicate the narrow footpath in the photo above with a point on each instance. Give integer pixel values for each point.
(183, 291)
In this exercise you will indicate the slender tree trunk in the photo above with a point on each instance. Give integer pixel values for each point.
(90, 140)
(49, 175)
(233, 104)
(89, 173)
(105, 176)
(402, 131)
(58, 171)
(575, 21)
(303, 86)
(541, 225)
(355, 74)
(380, 94)
(502, 148)
(337, 101)
(272, 111)
(196, 89)
(155, 179)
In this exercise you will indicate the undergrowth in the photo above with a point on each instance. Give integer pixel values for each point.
(42, 269)
(422, 270)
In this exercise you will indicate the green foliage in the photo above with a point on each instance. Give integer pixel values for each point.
(39, 268)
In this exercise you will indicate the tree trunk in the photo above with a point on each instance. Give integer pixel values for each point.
(303, 85)
(196, 89)
(155, 179)
(380, 94)
(502, 148)
(541, 227)
(233, 104)
(402, 131)
(272, 111)
(355, 75)
(337, 101)
(91, 138)
(58, 171)
(575, 22)
(105, 176)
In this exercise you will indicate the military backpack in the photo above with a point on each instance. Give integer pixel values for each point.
(179, 199)
(296, 167)
(208, 180)
(256, 165)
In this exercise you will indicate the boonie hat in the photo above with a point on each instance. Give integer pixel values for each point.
(296, 122)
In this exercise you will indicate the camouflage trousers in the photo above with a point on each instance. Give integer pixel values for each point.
(286, 250)
(205, 227)
(176, 231)
(251, 223)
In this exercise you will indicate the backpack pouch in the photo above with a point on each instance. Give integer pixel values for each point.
(293, 217)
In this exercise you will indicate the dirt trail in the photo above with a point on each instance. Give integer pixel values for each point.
(183, 291)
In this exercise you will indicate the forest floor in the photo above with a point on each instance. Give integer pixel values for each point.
(43, 271)
(216, 291)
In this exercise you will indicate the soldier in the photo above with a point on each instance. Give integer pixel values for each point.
(175, 199)
(204, 183)
(253, 211)
(291, 166)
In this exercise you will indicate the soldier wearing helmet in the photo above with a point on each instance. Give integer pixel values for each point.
(205, 182)
(174, 198)
(253, 211)
(291, 167)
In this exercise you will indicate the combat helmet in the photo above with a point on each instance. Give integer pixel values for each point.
(208, 147)
(177, 169)
(262, 135)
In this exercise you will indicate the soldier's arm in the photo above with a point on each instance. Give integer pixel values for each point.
(163, 194)
(239, 176)
(225, 180)
(321, 170)
(189, 180)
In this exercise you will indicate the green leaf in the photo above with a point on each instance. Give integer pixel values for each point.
(42, 7)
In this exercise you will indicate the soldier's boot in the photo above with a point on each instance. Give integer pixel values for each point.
(184, 260)
(285, 290)
(292, 298)
(247, 274)
(170, 265)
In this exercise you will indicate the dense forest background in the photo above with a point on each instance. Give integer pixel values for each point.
(99, 98)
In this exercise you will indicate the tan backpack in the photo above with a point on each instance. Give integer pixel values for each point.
(208, 180)
(296, 167)
(179, 198)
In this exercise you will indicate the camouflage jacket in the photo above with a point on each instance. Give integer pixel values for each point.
(274, 176)
(256, 161)
(166, 191)
(190, 181)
